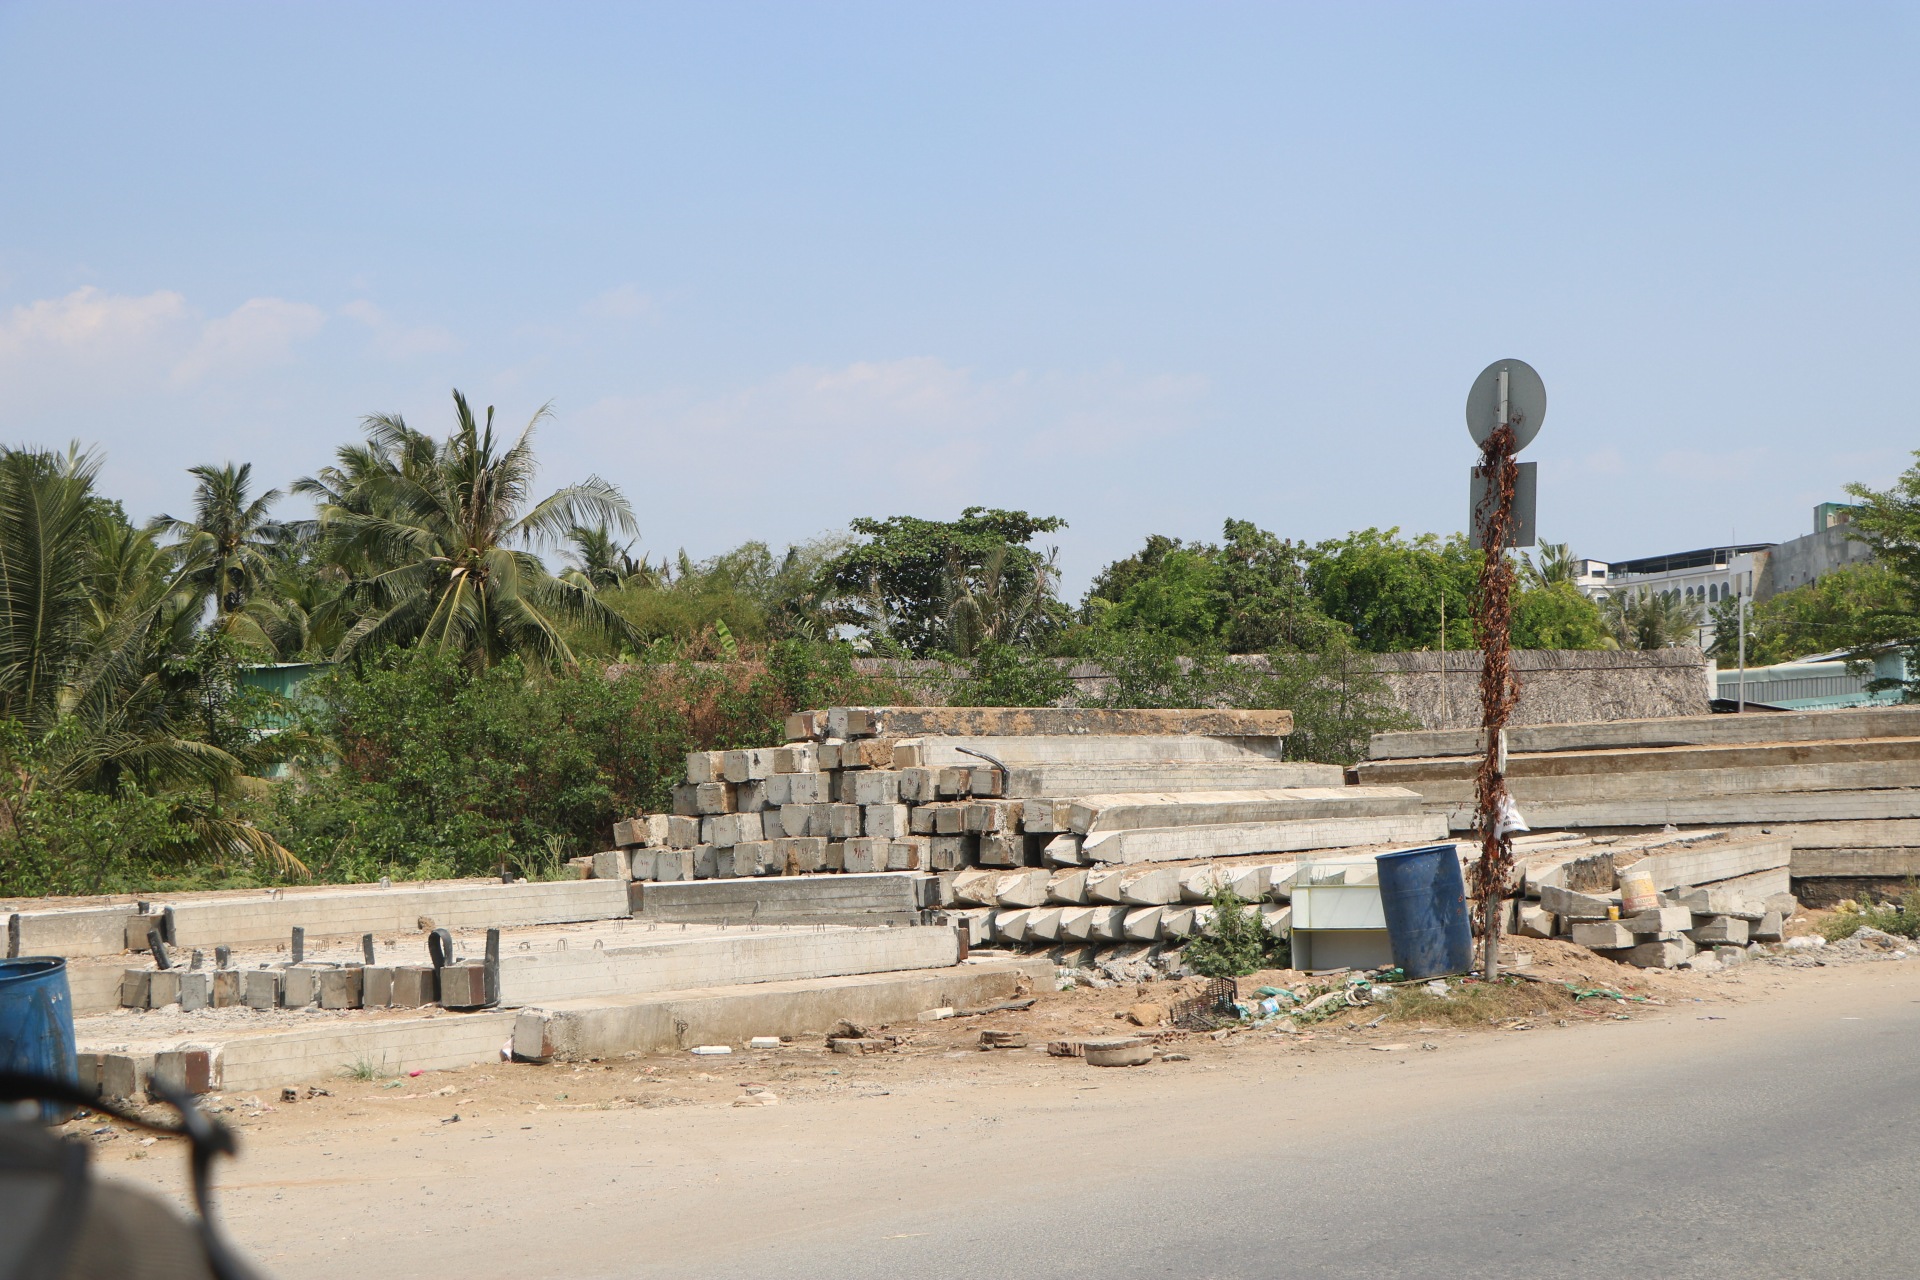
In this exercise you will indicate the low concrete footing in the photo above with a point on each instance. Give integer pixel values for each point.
(575, 1029)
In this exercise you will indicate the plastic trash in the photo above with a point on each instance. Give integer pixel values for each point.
(712, 1050)
(764, 1042)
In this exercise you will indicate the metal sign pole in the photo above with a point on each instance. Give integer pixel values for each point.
(1504, 410)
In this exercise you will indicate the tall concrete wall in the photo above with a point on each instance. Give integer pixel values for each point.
(1557, 686)
(1805, 559)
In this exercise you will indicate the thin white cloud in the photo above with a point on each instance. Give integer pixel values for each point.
(88, 319)
(260, 331)
(397, 341)
(77, 344)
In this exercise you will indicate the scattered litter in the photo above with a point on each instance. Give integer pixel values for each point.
(712, 1050)
(764, 1042)
(452, 1119)
(1002, 1040)
(756, 1097)
(1387, 1048)
(936, 1015)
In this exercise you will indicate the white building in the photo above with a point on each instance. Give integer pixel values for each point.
(1755, 570)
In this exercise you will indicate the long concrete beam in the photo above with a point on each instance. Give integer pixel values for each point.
(1173, 844)
(1068, 780)
(1096, 749)
(1891, 862)
(70, 932)
(1714, 811)
(1891, 833)
(1672, 731)
(1712, 861)
(671, 964)
(1635, 787)
(1093, 814)
(1412, 772)
(878, 898)
(576, 1029)
(399, 909)
(911, 722)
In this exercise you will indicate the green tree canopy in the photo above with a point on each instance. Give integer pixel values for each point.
(1247, 595)
(896, 586)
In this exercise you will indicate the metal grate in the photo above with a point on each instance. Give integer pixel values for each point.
(1207, 1010)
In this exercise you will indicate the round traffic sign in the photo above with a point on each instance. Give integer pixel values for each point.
(1526, 402)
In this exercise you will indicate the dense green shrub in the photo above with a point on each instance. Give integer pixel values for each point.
(435, 769)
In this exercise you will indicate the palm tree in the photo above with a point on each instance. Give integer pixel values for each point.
(1650, 619)
(231, 533)
(598, 563)
(93, 619)
(996, 605)
(440, 531)
(1554, 564)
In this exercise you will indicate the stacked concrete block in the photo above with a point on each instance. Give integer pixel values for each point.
(940, 789)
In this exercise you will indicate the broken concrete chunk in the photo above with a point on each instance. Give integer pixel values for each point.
(1662, 920)
(1720, 930)
(1575, 906)
(1603, 935)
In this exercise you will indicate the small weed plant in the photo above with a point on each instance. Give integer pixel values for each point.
(1234, 943)
(366, 1070)
(1902, 918)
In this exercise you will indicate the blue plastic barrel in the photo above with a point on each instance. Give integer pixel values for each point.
(1425, 902)
(36, 1022)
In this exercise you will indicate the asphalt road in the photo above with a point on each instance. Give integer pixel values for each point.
(1770, 1132)
(1712, 1147)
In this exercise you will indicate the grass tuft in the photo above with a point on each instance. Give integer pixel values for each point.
(1475, 1004)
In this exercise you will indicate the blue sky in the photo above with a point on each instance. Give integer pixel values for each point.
(1143, 267)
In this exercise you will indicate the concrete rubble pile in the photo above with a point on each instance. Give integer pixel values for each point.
(1696, 899)
(942, 789)
(1843, 785)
